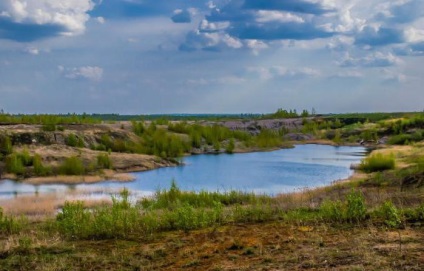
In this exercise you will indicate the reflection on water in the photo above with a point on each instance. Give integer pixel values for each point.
(262, 172)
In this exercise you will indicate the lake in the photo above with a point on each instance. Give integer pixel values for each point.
(280, 171)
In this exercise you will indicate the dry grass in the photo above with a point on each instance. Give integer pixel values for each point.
(265, 246)
(42, 206)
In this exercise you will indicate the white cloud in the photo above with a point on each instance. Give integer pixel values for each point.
(276, 72)
(71, 15)
(100, 20)
(376, 59)
(266, 16)
(92, 73)
(31, 50)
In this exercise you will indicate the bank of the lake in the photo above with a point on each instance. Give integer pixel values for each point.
(273, 172)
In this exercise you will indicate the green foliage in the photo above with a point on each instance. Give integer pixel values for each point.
(72, 166)
(74, 141)
(268, 139)
(48, 127)
(230, 146)
(377, 162)
(14, 164)
(390, 214)
(355, 206)
(49, 120)
(353, 209)
(74, 221)
(284, 114)
(337, 137)
(404, 139)
(39, 168)
(10, 225)
(103, 161)
(138, 128)
(5, 145)
(333, 211)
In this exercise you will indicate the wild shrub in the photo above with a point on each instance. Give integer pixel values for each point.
(355, 206)
(333, 211)
(103, 161)
(25, 157)
(230, 146)
(390, 214)
(352, 209)
(377, 162)
(10, 225)
(75, 221)
(39, 168)
(72, 166)
(14, 164)
(5, 145)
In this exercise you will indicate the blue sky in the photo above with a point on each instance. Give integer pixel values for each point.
(224, 56)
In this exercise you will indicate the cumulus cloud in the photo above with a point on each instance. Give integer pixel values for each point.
(43, 18)
(92, 73)
(280, 72)
(376, 59)
(300, 6)
(181, 16)
(401, 11)
(378, 35)
(214, 41)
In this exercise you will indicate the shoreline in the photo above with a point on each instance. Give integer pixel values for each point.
(126, 175)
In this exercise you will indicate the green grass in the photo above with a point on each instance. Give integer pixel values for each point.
(377, 162)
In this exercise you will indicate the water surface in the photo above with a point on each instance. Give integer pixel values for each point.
(286, 170)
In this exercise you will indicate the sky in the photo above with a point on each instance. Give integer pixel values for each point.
(201, 56)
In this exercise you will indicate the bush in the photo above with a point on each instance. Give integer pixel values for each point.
(390, 214)
(39, 168)
(230, 146)
(14, 164)
(74, 141)
(103, 161)
(5, 145)
(74, 221)
(332, 211)
(355, 207)
(377, 162)
(72, 166)
(10, 225)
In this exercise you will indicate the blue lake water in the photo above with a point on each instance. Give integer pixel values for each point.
(286, 170)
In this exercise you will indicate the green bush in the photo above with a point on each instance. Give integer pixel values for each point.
(355, 207)
(72, 166)
(377, 162)
(5, 145)
(103, 161)
(10, 225)
(332, 211)
(48, 127)
(230, 146)
(74, 141)
(390, 214)
(39, 168)
(74, 221)
(14, 164)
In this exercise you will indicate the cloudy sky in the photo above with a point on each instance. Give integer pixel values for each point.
(200, 56)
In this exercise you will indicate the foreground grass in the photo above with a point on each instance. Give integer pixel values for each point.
(175, 230)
